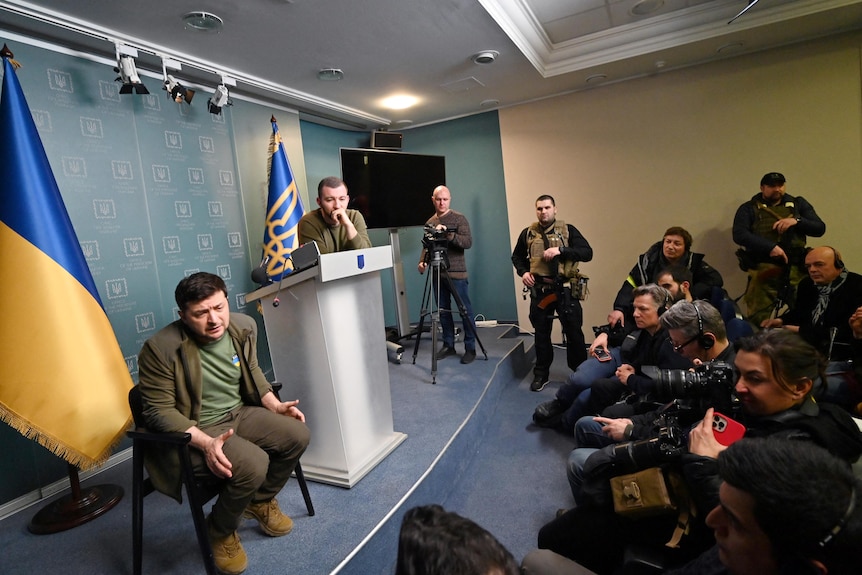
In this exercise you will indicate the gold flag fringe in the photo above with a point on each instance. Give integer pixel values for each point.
(58, 447)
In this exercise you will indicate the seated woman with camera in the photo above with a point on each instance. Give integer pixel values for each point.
(776, 371)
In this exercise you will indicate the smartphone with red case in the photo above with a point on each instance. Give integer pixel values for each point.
(725, 429)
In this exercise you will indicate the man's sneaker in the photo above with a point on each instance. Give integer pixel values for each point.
(272, 521)
(549, 414)
(539, 383)
(446, 351)
(228, 555)
(468, 356)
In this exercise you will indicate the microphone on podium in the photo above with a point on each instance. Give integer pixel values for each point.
(284, 272)
(259, 275)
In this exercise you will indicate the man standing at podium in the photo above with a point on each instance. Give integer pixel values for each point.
(334, 227)
(200, 375)
(458, 239)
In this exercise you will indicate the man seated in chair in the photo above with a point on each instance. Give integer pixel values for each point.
(200, 375)
(825, 301)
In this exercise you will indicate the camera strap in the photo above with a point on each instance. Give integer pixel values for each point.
(686, 507)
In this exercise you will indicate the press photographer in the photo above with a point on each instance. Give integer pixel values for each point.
(689, 395)
(645, 343)
(776, 371)
(697, 332)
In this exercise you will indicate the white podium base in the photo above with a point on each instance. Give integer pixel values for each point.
(328, 347)
(349, 478)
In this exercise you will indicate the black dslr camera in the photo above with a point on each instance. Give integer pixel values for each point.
(709, 385)
(669, 443)
(690, 394)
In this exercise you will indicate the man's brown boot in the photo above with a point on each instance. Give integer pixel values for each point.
(228, 554)
(272, 521)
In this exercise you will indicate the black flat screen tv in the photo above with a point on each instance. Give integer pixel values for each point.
(391, 189)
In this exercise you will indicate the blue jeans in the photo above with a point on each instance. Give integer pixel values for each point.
(576, 391)
(590, 439)
(444, 302)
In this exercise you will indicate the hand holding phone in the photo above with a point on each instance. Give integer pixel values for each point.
(725, 429)
(602, 354)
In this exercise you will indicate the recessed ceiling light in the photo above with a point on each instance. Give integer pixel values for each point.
(596, 78)
(485, 57)
(403, 122)
(489, 103)
(330, 74)
(645, 7)
(399, 102)
(203, 21)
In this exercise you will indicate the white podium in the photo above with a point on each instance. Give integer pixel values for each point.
(327, 341)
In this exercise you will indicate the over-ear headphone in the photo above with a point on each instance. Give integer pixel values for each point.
(667, 301)
(839, 263)
(704, 340)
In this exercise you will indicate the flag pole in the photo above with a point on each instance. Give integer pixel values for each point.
(77, 508)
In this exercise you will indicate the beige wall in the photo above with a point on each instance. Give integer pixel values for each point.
(687, 147)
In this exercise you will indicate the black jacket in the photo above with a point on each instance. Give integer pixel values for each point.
(825, 424)
(810, 225)
(842, 303)
(654, 350)
(704, 276)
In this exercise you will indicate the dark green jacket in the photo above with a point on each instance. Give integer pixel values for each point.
(170, 380)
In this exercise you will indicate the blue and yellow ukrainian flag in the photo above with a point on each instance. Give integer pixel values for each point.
(283, 211)
(63, 379)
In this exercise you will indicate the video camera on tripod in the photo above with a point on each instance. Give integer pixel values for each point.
(436, 242)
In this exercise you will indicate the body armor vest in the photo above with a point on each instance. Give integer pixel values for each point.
(766, 216)
(539, 239)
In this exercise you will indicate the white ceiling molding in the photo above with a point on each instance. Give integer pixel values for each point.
(678, 28)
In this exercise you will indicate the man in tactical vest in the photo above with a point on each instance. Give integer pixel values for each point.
(546, 258)
(772, 228)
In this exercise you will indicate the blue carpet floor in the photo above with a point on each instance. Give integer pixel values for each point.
(470, 448)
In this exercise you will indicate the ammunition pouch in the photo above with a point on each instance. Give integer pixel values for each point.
(579, 287)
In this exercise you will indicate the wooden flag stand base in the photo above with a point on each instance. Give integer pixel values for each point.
(76, 508)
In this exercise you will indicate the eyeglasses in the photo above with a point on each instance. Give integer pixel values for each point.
(680, 347)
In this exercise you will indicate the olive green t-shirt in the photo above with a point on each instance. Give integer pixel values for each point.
(221, 377)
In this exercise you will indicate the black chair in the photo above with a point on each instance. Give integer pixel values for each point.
(198, 490)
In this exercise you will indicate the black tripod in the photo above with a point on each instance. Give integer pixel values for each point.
(438, 272)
